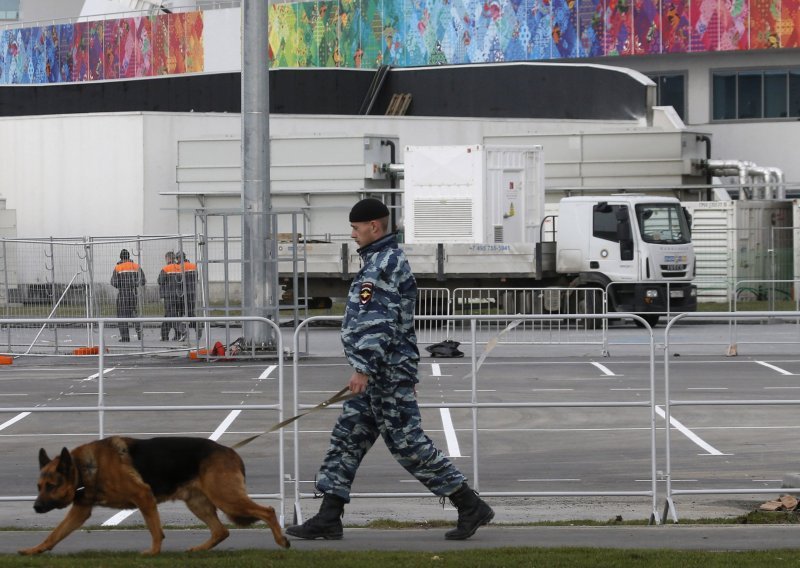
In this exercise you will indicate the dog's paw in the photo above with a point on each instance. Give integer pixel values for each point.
(29, 551)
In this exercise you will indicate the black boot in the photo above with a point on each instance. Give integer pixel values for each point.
(472, 513)
(326, 524)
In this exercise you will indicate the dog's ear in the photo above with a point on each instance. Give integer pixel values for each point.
(43, 458)
(65, 461)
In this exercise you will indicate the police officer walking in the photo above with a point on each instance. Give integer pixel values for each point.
(381, 346)
(126, 278)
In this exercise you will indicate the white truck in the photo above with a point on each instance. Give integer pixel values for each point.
(474, 216)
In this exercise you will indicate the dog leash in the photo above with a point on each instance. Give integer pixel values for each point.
(344, 394)
(340, 396)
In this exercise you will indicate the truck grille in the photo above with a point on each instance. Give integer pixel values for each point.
(673, 270)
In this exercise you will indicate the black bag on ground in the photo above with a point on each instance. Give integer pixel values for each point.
(445, 349)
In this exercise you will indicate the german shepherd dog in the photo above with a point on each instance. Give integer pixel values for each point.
(126, 473)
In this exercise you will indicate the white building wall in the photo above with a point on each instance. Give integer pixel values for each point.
(766, 142)
(68, 174)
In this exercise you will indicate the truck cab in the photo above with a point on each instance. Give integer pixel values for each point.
(636, 247)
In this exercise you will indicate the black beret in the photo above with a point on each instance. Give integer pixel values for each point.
(368, 209)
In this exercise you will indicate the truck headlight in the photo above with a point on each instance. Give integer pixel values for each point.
(693, 292)
(651, 294)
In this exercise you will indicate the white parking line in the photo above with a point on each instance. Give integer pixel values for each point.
(14, 420)
(774, 368)
(453, 449)
(267, 372)
(436, 369)
(93, 377)
(689, 434)
(545, 480)
(605, 369)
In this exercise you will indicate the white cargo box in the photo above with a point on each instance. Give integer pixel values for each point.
(473, 194)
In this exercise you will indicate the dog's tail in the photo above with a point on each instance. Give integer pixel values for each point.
(242, 521)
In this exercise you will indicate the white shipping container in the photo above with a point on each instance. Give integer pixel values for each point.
(473, 194)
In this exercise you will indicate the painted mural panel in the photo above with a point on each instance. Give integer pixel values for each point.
(80, 52)
(539, 19)
(52, 54)
(126, 32)
(764, 18)
(393, 35)
(619, 27)
(369, 33)
(111, 38)
(646, 27)
(349, 32)
(704, 21)
(565, 28)
(790, 23)
(161, 44)
(176, 52)
(675, 26)
(65, 60)
(38, 66)
(143, 52)
(734, 25)
(195, 54)
(96, 32)
(283, 36)
(590, 28)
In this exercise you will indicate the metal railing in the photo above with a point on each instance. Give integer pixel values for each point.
(670, 402)
(504, 304)
(478, 337)
(101, 407)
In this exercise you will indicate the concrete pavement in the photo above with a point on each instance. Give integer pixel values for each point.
(674, 537)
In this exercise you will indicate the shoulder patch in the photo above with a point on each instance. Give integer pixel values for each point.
(365, 295)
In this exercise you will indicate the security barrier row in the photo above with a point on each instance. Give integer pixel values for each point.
(482, 341)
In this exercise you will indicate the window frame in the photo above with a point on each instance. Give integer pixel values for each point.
(656, 75)
(762, 71)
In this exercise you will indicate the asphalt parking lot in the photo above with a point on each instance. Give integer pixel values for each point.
(570, 457)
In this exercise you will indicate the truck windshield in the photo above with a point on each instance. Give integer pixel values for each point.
(662, 223)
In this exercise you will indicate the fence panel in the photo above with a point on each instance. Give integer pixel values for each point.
(476, 406)
(68, 278)
(106, 385)
(720, 484)
(559, 304)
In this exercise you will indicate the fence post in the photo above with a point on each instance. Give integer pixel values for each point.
(100, 374)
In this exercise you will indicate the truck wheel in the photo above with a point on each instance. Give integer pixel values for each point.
(651, 319)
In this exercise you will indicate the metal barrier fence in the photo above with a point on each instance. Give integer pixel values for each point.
(479, 331)
(555, 303)
(101, 407)
(60, 279)
(670, 402)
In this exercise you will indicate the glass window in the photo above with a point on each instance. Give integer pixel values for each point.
(794, 93)
(775, 94)
(662, 223)
(671, 93)
(724, 96)
(749, 93)
(604, 224)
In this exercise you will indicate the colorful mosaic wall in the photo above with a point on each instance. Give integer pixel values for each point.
(367, 33)
(110, 49)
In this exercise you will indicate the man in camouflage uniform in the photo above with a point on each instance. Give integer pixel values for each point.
(381, 346)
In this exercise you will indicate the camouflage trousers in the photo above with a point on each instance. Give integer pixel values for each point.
(395, 416)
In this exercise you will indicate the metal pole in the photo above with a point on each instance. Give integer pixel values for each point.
(256, 205)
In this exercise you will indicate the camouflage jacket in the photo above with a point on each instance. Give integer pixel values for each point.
(378, 328)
